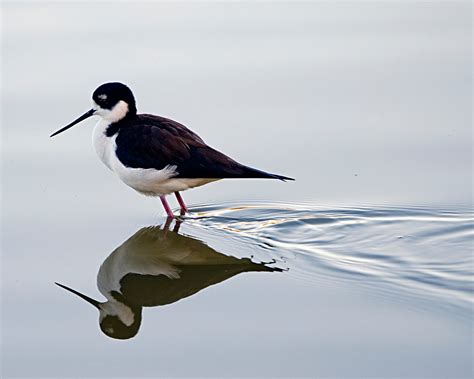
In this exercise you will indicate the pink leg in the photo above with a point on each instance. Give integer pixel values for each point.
(181, 202)
(166, 206)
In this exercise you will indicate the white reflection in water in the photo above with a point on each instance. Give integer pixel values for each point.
(418, 252)
(156, 267)
(418, 256)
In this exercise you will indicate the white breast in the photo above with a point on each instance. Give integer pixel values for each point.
(103, 145)
(149, 181)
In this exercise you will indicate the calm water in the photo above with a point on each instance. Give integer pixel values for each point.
(361, 267)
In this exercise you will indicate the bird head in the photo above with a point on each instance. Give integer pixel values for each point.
(116, 319)
(114, 101)
(111, 101)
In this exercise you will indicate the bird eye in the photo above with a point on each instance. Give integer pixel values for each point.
(102, 97)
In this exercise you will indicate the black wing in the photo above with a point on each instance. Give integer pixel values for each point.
(156, 142)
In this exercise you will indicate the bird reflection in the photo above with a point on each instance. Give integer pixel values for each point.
(156, 267)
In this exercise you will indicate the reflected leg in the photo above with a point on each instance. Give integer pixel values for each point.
(167, 224)
(181, 202)
(166, 206)
(177, 224)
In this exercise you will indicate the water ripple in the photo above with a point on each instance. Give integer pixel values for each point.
(419, 251)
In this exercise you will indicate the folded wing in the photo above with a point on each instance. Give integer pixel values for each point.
(156, 142)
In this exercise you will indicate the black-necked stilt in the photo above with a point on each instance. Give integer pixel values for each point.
(156, 267)
(154, 155)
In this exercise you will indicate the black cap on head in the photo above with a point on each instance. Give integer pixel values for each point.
(113, 327)
(108, 95)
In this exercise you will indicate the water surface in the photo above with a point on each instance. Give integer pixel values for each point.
(361, 267)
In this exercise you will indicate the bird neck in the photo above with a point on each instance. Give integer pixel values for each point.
(114, 127)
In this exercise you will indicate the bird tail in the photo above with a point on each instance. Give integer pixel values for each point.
(255, 173)
(280, 177)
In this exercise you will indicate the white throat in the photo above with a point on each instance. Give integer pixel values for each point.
(118, 112)
(115, 308)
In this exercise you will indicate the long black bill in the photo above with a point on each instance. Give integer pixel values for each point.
(83, 117)
(95, 303)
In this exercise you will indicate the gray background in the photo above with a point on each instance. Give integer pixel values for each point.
(363, 103)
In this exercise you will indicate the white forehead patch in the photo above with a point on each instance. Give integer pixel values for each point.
(115, 114)
(103, 97)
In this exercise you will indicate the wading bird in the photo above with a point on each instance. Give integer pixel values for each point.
(154, 155)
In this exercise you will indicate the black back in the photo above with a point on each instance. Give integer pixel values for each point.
(151, 291)
(148, 141)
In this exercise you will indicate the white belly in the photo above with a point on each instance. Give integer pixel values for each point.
(148, 181)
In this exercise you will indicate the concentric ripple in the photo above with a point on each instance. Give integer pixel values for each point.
(419, 252)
